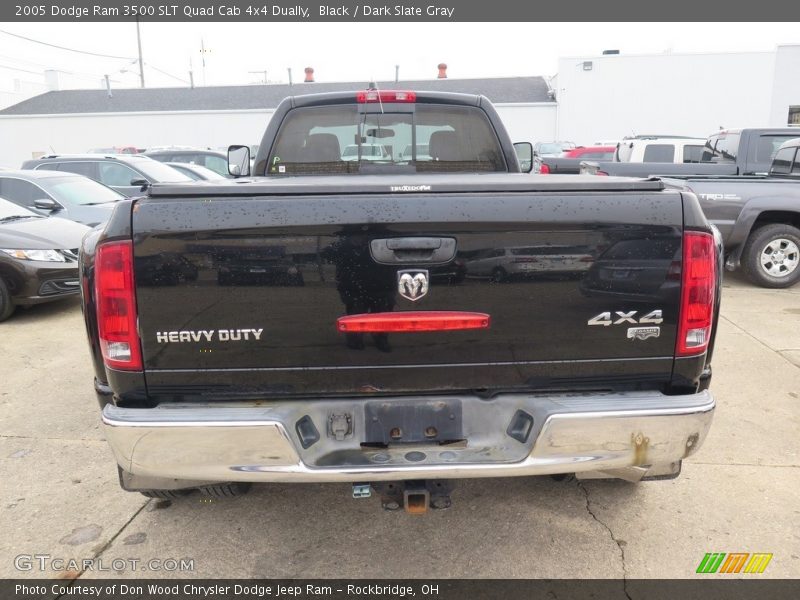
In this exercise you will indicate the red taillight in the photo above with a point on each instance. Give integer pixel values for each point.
(401, 322)
(385, 96)
(699, 281)
(602, 173)
(544, 169)
(116, 306)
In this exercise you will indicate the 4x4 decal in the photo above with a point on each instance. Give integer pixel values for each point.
(654, 317)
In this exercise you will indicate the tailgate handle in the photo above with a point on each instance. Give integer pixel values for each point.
(393, 251)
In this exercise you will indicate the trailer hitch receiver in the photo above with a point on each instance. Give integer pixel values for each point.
(416, 497)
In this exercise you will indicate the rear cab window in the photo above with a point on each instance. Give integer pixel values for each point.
(407, 138)
(692, 154)
(659, 153)
(762, 152)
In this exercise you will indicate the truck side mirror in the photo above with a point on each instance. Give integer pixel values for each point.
(525, 155)
(140, 183)
(46, 204)
(239, 160)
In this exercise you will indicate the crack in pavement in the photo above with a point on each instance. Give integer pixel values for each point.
(582, 487)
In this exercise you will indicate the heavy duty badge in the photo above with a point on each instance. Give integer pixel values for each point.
(412, 284)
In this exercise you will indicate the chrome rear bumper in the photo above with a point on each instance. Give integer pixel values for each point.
(180, 445)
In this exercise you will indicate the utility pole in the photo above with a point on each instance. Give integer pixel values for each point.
(289, 70)
(396, 73)
(203, 53)
(141, 62)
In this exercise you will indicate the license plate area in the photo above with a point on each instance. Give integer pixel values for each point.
(412, 422)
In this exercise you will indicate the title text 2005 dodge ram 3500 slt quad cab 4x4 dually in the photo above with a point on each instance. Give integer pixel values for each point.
(335, 320)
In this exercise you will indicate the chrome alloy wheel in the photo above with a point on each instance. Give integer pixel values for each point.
(780, 257)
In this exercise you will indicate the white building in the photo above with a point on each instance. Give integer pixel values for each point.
(75, 121)
(592, 98)
(611, 96)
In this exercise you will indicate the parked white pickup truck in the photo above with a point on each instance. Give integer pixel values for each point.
(660, 149)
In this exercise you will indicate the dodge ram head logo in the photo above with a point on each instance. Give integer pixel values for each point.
(412, 285)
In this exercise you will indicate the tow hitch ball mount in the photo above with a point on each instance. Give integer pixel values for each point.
(416, 497)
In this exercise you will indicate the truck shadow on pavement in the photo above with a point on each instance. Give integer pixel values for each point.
(318, 530)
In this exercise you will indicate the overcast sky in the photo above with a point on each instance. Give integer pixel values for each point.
(349, 51)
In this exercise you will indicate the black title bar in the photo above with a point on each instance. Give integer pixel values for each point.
(405, 11)
(698, 588)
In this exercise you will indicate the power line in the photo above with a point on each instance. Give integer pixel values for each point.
(165, 73)
(20, 70)
(22, 37)
(130, 58)
(51, 68)
(24, 61)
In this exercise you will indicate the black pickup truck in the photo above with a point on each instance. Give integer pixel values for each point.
(357, 341)
(758, 217)
(727, 152)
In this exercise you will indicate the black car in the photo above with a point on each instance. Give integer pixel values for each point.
(38, 258)
(127, 174)
(60, 194)
(210, 159)
(196, 172)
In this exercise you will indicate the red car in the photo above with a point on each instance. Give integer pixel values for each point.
(591, 153)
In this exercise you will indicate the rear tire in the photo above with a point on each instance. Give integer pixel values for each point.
(225, 490)
(771, 256)
(6, 305)
(164, 494)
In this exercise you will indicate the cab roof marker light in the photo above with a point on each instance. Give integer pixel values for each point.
(370, 96)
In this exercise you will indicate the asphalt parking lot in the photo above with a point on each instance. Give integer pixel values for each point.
(59, 494)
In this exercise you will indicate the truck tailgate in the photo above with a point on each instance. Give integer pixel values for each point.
(239, 297)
